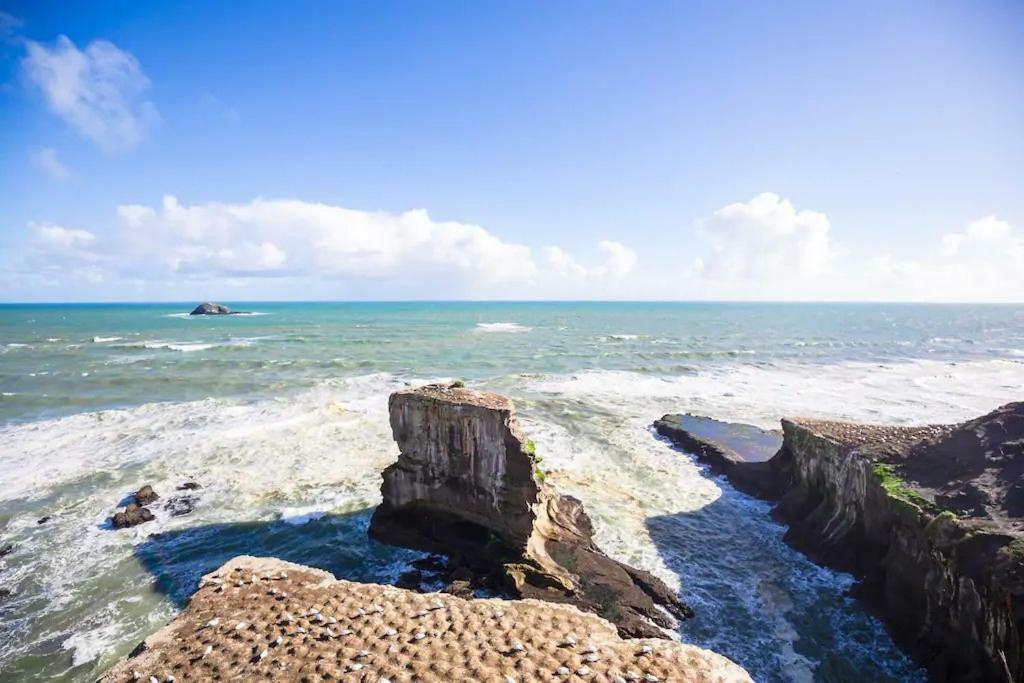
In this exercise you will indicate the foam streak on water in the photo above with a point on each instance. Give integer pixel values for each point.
(283, 420)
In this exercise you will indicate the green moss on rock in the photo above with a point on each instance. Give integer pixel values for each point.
(897, 488)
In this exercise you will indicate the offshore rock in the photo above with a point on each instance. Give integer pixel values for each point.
(132, 515)
(929, 518)
(263, 619)
(211, 309)
(467, 484)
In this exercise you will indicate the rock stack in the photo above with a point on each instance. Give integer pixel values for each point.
(467, 485)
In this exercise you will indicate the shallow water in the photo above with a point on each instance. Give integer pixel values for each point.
(282, 417)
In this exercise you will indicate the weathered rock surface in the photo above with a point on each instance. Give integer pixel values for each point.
(467, 485)
(269, 620)
(211, 309)
(929, 519)
(741, 452)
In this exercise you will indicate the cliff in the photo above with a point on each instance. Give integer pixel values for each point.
(265, 619)
(929, 519)
(467, 484)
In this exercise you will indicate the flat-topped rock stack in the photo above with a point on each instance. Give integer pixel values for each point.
(467, 485)
(265, 619)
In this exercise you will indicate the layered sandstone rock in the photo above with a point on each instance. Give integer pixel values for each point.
(269, 620)
(931, 519)
(467, 485)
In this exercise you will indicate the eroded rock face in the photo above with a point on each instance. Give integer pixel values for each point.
(263, 619)
(466, 484)
(929, 519)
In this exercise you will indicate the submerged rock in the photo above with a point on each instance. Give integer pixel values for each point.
(467, 484)
(265, 619)
(930, 521)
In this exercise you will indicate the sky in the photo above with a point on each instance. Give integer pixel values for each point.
(167, 151)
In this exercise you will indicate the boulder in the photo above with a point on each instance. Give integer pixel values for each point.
(145, 495)
(211, 309)
(131, 516)
(467, 484)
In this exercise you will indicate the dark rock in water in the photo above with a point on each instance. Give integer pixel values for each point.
(467, 484)
(145, 495)
(5, 594)
(44, 519)
(211, 309)
(181, 505)
(930, 520)
(6, 549)
(741, 452)
(131, 516)
(189, 486)
(410, 580)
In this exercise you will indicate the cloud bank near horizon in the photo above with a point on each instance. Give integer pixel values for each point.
(765, 248)
(284, 239)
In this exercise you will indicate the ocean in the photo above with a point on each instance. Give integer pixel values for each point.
(281, 416)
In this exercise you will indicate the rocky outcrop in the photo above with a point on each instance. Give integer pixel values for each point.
(929, 519)
(467, 484)
(136, 512)
(741, 452)
(265, 619)
(211, 309)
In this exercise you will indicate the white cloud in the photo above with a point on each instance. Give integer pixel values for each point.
(289, 238)
(68, 243)
(983, 262)
(98, 91)
(619, 262)
(762, 238)
(46, 160)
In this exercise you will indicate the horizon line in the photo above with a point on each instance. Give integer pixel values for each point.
(191, 302)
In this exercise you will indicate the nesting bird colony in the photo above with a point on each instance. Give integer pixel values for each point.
(265, 619)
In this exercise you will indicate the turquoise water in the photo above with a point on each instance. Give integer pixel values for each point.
(281, 416)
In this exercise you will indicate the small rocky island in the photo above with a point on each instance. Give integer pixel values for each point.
(931, 520)
(213, 309)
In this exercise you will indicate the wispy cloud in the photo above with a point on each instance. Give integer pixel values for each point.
(46, 160)
(99, 91)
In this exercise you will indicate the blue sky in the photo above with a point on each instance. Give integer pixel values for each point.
(377, 150)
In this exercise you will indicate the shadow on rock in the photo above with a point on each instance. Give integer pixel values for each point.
(337, 543)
